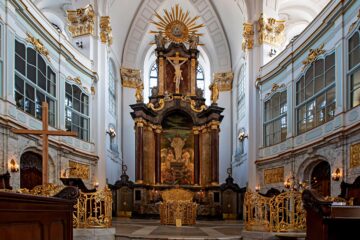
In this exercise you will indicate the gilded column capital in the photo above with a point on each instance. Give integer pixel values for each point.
(81, 21)
(270, 30)
(248, 36)
(130, 77)
(214, 125)
(105, 30)
(140, 122)
(224, 80)
(196, 130)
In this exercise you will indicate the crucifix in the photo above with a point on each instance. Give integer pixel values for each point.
(45, 139)
(177, 62)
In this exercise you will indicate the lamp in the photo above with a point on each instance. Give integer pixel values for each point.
(272, 52)
(242, 135)
(111, 132)
(257, 188)
(336, 175)
(14, 167)
(287, 183)
(96, 184)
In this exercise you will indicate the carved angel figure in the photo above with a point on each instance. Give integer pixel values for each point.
(160, 40)
(193, 41)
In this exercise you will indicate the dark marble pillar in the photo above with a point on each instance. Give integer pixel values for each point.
(215, 152)
(139, 151)
(157, 156)
(196, 156)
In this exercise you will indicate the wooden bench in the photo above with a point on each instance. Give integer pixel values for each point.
(30, 217)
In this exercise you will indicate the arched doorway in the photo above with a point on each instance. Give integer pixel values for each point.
(320, 178)
(30, 170)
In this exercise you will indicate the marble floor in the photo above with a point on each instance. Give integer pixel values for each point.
(151, 229)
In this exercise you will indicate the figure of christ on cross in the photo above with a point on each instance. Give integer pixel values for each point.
(177, 61)
(45, 139)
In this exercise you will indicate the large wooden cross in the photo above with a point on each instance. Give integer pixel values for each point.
(45, 139)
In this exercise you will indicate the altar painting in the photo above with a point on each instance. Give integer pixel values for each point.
(177, 150)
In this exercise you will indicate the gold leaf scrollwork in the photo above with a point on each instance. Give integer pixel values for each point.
(275, 87)
(39, 47)
(105, 30)
(248, 36)
(81, 21)
(161, 105)
(224, 80)
(313, 55)
(193, 107)
(270, 30)
(79, 170)
(130, 77)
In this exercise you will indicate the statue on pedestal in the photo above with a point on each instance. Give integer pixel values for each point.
(160, 40)
(214, 87)
(193, 41)
(138, 94)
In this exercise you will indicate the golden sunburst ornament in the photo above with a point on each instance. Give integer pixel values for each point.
(176, 25)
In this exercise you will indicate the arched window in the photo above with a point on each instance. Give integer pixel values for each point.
(35, 82)
(77, 111)
(315, 94)
(354, 68)
(112, 89)
(275, 124)
(153, 77)
(241, 94)
(200, 78)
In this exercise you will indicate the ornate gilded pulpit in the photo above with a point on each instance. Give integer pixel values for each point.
(178, 206)
(176, 133)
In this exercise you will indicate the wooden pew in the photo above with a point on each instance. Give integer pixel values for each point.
(29, 217)
(325, 221)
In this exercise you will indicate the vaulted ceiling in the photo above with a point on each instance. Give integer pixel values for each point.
(223, 19)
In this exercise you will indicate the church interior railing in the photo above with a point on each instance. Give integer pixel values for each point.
(93, 209)
(281, 213)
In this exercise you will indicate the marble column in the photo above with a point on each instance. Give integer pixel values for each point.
(214, 152)
(139, 151)
(157, 156)
(196, 156)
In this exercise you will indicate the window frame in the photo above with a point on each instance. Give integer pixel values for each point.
(240, 95)
(200, 69)
(1, 57)
(153, 69)
(315, 95)
(353, 70)
(112, 89)
(80, 113)
(273, 119)
(53, 113)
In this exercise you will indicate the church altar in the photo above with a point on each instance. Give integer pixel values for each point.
(176, 133)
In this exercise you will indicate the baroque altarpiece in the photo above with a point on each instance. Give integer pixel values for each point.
(176, 134)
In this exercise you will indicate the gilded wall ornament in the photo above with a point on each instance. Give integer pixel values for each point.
(313, 55)
(81, 21)
(355, 155)
(270, 30)
(224, 80)
(105, 30)
(275, 88)
(274, 175)
(176, 25)
(130, 77)
(78, 82)
(79, 170)
(39, 47)
(248, 36)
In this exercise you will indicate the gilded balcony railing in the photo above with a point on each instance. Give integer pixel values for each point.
(281, 213)
(93, 210)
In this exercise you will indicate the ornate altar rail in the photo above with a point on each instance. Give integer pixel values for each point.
(93, 209)
(281, 213)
